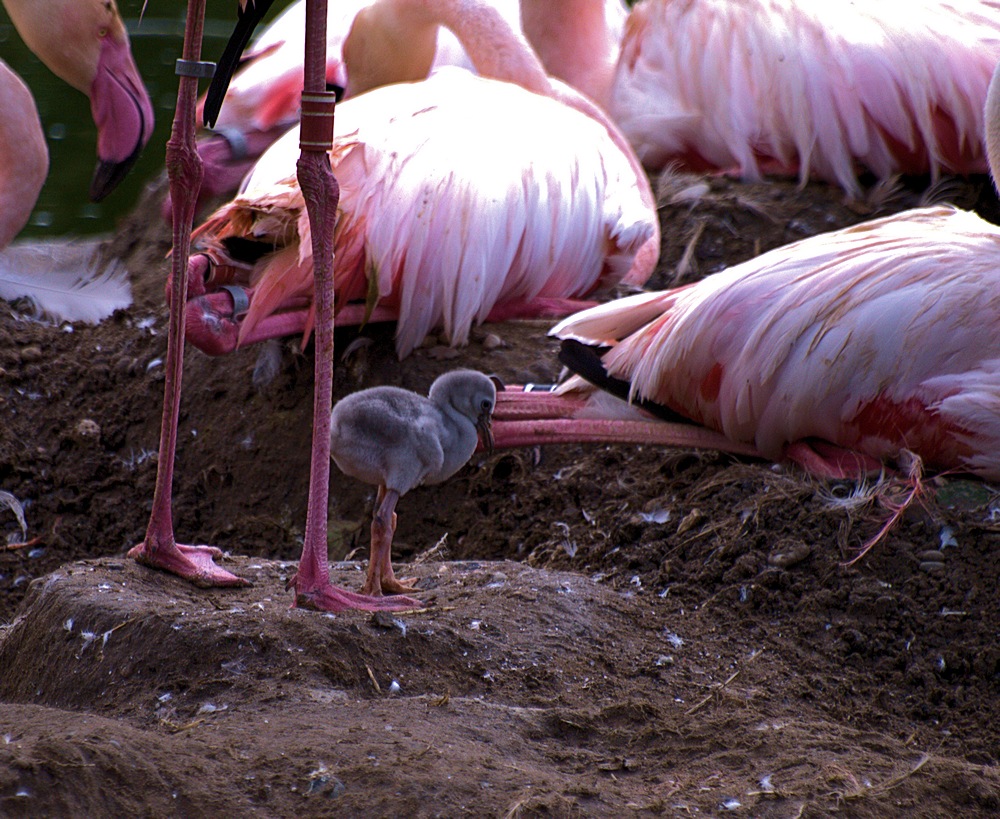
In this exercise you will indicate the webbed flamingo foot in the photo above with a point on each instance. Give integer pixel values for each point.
(324, 596)
(192, 563)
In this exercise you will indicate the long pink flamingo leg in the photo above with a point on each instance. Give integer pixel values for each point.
(321, 193)
(160, 549)
(508, 434)
(524, 418)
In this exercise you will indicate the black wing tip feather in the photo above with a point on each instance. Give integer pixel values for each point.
(246, 22)
(585, 361)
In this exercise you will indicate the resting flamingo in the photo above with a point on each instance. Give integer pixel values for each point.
(838, 351)
(452, 211)
(99, 64)
(262, 100)
(811, 87)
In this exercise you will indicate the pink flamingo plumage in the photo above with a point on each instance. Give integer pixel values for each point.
(811, 87)
(85, 44)
(451, 211)
(867, 341)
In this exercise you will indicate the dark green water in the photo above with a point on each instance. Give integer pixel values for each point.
(63, 208)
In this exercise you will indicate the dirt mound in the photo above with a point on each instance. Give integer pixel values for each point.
(517, 689)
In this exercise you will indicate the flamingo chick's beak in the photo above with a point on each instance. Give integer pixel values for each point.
(122, 112)
(484, 425)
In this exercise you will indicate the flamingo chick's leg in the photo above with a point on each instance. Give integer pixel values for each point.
(159, 549)
(381, 579)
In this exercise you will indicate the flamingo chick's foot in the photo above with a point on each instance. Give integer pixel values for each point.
(327, 597)
(193, 563)
(386, 582)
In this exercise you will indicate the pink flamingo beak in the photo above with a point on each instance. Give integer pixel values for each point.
(122, 112)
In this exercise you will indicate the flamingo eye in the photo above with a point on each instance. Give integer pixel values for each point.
(487, 405)
(102, 32)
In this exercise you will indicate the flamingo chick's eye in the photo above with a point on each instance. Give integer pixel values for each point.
(487, 405)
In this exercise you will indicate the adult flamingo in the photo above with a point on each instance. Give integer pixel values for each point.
(85, 44)
(102, 66)
(838, 351)
(811, 87)
(452, 211)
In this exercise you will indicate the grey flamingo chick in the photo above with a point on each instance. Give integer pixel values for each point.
(397, 439)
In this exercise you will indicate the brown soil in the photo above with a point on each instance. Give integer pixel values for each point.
(610, 630)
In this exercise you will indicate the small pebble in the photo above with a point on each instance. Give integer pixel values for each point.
(931, 566)
(932, 555)
(31, 354)
(88, 428)
(493, 341)
(789, 554)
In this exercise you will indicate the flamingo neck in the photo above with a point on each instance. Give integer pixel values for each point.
(24, 157)
(991, 118)
(388, 43)
(396, 39)
(575, 42)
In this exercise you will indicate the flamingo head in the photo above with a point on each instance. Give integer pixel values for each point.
(84, 43)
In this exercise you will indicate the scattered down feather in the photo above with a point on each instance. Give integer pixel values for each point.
(64, 280)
